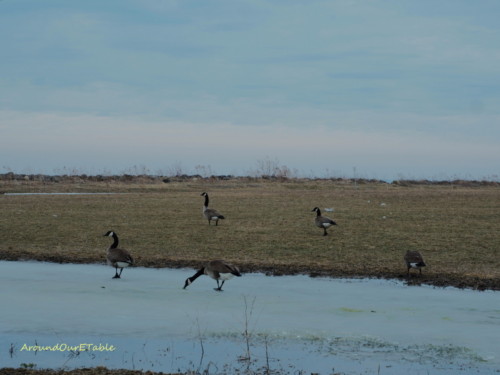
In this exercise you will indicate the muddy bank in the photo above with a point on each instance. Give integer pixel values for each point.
(427, 278)
(82, 371)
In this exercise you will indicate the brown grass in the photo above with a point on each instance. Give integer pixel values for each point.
(268, 227)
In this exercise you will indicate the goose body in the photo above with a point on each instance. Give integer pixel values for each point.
(118, 258)
(210, 213)
(218, 270)
(322, 221)
(414, 259)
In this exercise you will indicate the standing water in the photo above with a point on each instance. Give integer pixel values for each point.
(69, 316)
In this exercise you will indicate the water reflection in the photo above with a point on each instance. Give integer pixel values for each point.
(288, 323)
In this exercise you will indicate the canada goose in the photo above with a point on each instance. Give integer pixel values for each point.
(322, 221)
(414, 259)
(210, 213)
(217, 270)
(118, 258)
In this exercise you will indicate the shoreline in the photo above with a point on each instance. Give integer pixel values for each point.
(432, 279)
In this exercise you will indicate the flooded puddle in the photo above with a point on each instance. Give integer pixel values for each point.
(55, 316)
(76, 193)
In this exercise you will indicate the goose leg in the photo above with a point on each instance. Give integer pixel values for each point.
(219, 287)
(325, 233)
(116, 274)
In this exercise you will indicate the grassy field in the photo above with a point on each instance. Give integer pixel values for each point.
(268, 226)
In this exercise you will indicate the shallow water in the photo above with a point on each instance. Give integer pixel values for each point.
(293, 322)
(81, 193)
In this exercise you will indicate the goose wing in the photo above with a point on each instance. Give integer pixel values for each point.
(120, 255)
(414, 258)
(210, 212)
(323, 220)
(221, 267)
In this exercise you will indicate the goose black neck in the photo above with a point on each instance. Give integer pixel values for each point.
(236, 273)
(197, 274)
(115, 242)
(206, 200)
(318, 212)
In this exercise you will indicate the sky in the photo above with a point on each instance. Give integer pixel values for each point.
(384, 89)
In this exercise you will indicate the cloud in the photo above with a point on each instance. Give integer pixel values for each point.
(381, 87)
(116, 143)
(403, 58)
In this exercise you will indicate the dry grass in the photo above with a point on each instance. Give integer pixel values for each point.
(268, 227)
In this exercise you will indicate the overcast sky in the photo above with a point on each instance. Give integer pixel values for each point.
(382, 89)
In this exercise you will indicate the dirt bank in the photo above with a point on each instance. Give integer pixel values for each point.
(83, 371)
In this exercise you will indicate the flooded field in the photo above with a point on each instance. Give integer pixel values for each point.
(69, 316)
(28, 194)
